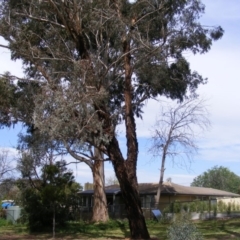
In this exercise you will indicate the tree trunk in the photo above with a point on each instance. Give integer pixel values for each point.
(161, 179)
(54, 222)
(126, 169)
(129, 191)
(100, 211)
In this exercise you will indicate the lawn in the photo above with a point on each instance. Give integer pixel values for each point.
(211, 229)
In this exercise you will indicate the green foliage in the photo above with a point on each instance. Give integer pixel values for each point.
(192, 207)
(211, 229)
(176, 207)
(183, 229)
(219, 178)
(4, 222)
(16, 100)
(55, 194)
(220, 206)
(53, 45)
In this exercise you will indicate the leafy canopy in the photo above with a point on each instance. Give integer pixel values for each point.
(74, 49)
(218, 177)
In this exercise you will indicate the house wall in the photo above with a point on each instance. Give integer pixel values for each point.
(229, 200)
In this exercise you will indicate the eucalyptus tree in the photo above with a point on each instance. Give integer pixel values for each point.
(17, 100)
(175, 132)
(98, 61)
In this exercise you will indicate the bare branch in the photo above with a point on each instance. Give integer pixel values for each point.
(40, 19)
(78, 157)
(4, 46)
(175, 132)
(5, 165)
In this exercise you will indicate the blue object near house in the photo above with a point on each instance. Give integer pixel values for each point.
(6, 204)
(157, 214)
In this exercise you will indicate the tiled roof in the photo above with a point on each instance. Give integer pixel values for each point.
(175, 189)
(168, 188)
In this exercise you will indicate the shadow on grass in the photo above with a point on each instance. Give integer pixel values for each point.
(113, 229)
(220, 229)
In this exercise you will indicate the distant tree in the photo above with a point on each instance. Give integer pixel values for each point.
(112, 180)
(52, 197)
(6, 165)
(9, 189)
(218, 177)
(174, 133)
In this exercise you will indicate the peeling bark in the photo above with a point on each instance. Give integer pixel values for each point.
(100, 211)
(126, 169)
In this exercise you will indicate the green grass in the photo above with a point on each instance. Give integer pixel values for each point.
(220, 229)
(116, 229)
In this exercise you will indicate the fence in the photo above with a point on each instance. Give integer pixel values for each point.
(199, 209)
(13, 213)
(117, 211)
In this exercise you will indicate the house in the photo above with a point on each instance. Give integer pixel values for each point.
(170, 193)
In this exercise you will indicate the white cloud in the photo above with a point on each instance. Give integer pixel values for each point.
(11, 152)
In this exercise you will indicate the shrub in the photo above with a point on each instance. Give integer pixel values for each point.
(237, 207)
(220, 206)
(185, 207)
(167, 209)
(183, 229)
(176, 207)
(204, 206)
(2, 213)
(229, 208)
(198, 206)
(193, 207)
(215, 210)
(53, 197)
(4, 222)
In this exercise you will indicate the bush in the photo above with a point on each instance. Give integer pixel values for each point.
(4, 222)
(54, 196)
(176, 207)
(183, 229)
(196, 206)
(185, 207)
(2, 213)
(192, 207)
(220, 206)
(229, 208)
(203, 206)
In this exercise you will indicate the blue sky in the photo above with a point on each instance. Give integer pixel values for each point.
(220, 145)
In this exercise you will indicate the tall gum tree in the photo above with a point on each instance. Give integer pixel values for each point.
(97, 62)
